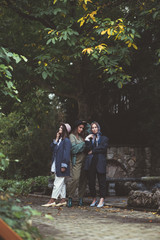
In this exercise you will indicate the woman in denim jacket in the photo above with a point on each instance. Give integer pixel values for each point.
(61, 147)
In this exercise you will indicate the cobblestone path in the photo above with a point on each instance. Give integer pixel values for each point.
(86, 223)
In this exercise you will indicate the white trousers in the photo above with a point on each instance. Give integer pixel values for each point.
(59, 188)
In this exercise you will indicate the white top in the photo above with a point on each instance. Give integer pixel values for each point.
(53, 167)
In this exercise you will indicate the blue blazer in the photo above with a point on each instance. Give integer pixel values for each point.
(61, 156)
(98, 152)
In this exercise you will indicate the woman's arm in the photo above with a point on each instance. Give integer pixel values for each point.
(66, 153)
(88, 146)
(102, 147)
(53, 144)
(76, 147)
(55, 141)
(88, 143)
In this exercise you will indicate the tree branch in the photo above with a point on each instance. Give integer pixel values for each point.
(45, 22)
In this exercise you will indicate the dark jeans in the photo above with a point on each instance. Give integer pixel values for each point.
(92, 173)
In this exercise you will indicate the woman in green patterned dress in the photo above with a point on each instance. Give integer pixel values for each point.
(79, 178)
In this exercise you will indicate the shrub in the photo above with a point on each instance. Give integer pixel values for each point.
(24, 187)
(18, 218)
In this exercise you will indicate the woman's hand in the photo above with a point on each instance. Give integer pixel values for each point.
(90, 136)
(63, 169)
(90, 152)
(57, 136)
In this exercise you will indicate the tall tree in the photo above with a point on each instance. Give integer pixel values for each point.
(77, 45)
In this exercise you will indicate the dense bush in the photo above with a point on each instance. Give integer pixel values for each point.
(24, 187)
(26, 134)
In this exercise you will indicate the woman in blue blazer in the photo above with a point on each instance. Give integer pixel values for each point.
(95, 164)
(61, 147)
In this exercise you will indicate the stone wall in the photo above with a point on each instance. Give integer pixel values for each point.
(124, 162)
(128, 161)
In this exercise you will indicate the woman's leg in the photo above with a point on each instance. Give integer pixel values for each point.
(76, 170)
(63, 193)
(102, 187)
(92, 179)
(62, 196)
(58, 187)
(82, 181)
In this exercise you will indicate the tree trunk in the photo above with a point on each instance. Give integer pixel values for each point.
(84, 109)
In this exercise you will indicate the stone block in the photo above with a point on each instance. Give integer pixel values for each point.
(110, 155)
(144, 199)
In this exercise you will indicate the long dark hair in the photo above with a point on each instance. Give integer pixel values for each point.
(65, 133)
(82, 134)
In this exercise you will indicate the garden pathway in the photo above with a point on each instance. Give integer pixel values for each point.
(112, 222)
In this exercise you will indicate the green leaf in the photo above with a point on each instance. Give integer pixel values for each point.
(9, 54)
(49, 217)
(53, 41)
(44, 75)
(24, 58)
(2, 155)
(35, 212)
(16, 58)
(16, 208)
(57, 10)
(49, 41)
(9, 75)
(9, 84)
(155, 15)
(120, 85)
(65, 35)
(16, 160)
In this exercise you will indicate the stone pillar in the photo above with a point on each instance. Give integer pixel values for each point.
(147, 161)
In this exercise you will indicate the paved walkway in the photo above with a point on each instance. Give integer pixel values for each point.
(112, 222)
